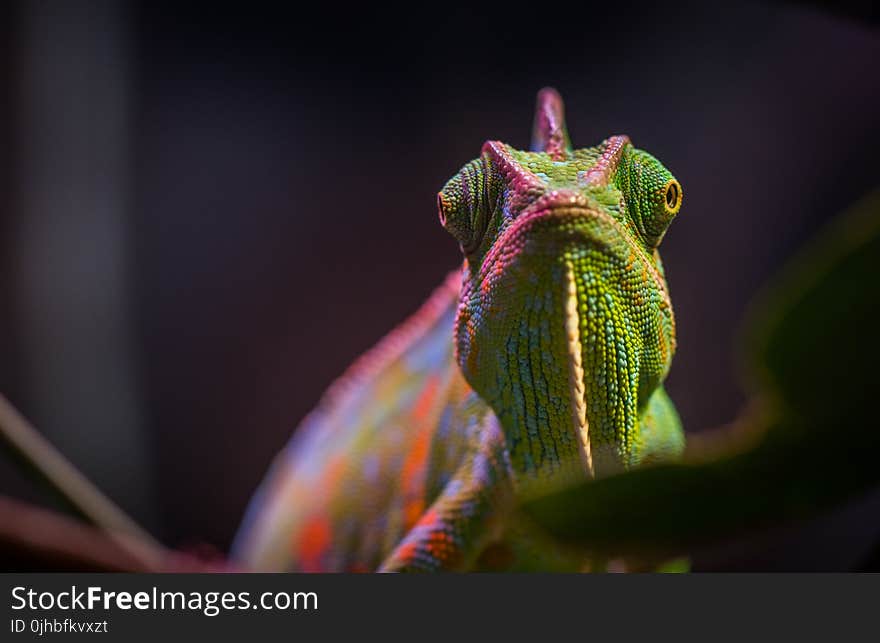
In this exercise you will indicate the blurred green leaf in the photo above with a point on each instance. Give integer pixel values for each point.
(810, 441)
(675, 566)
(812, 336)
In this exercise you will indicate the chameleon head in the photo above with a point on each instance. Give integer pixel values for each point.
(564, 323)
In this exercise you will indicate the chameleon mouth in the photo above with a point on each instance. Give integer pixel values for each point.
(577, 390)
(541, 235)
(529, 303)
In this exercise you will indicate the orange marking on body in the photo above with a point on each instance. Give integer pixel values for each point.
(412, 477)
(413, 470)
(473, 354)
(407, 551)
(411, 512)
(429, 518)
(334, 472)
(313, 541)
(426, 400)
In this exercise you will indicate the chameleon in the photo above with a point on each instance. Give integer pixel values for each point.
(538, 362)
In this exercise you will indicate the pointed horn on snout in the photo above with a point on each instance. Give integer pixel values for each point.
(549, 133)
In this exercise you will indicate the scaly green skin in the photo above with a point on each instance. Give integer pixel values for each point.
(542, 361)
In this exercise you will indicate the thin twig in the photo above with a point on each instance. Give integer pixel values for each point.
(37, 539)
(76, 489)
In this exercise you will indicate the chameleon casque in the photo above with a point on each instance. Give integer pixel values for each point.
(541, 360)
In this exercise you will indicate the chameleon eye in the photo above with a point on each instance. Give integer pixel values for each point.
(672, 197)
(454, 216)
(652, 195)
(465, 203)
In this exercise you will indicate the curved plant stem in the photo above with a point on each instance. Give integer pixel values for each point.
(64, 479)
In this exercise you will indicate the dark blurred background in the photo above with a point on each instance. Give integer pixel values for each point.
(207, 212)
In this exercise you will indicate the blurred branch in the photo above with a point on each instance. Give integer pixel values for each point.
(33, 539)
(42, 459)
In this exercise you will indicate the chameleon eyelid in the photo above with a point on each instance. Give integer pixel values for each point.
(672, 196)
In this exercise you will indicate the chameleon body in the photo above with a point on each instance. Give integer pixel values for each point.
(540, 361)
